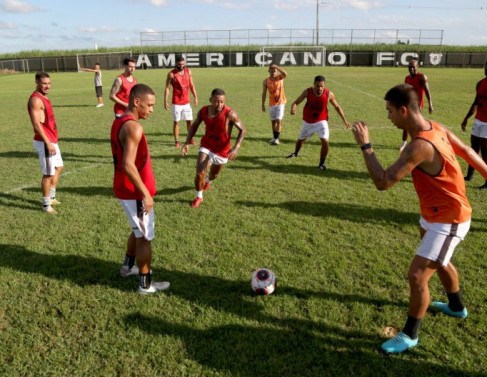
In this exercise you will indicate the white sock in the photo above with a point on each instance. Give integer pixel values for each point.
(46, 201)
(199, 194)
(52, 193)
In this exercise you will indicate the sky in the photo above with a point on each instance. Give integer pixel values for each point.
(27, 25)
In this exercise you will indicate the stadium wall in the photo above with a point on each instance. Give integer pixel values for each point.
(292, 57)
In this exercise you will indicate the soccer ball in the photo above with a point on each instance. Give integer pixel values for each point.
(263, 281)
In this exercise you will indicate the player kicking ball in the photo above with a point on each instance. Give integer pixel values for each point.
(215, 148)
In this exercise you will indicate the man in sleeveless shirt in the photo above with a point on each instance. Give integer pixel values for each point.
(420, 83)
(444, 207)
(98, 82)
(46, 140)
(181, 80)
(315, 117)
(134, 185)
(274, 84)
(478, 137)
(121, 87)
(215, 149)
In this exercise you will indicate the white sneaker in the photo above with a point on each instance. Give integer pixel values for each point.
(275, 142)
(125, 271)
(55, 202)
(155, 286)
(49, 210)
(100, 105)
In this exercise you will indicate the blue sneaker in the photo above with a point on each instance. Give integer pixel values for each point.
(400, 343)
(443, 307)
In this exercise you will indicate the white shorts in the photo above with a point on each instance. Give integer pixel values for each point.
(440, 240)
(49, 163)
(479, 129)
(277, 112)
(309, 129)
(213, 157)
(142, 223)
(182, 112)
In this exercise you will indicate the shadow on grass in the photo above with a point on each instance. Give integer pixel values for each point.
(349, 212)
(9, 200)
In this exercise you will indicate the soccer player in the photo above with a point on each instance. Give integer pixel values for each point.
(419, 82)
(46, 140)
(134, 185)
(121, 87)
(444, 207)
(215, 148)
(315, 117)
(274, 84)
(478, 137)
(181, 80)
(98, 82)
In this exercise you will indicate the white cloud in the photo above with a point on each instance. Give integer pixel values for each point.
(101, 29)
(16, 6)
(7, 26)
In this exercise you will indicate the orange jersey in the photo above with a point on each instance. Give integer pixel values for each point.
(442, 198)
(276, 90)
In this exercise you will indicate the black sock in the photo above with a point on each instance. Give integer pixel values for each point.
(455, 302)
(276, 134)
(145, 280)
(411, 327)
(129, 261)
(322, 161)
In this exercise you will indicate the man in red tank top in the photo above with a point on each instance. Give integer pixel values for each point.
(181, 80)
(478, 137)
(444, 207)
(420, 83)
(121, 87)
(315, 117)
(45, 140)
(134, 186)
(215, 149)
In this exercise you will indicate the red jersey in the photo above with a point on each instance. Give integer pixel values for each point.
(481, 113)
(180, 87)
(442, 198)
(417, 81)
(49, 125)
(122, 185)
(124, 94)
(217, 138)
(316, 108)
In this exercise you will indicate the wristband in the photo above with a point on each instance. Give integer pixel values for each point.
(366, 146)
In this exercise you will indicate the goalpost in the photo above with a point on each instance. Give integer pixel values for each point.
(107, 60)
(302, 55)
(17, 65)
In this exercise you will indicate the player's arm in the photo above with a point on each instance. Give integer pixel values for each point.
(89, 70)
(413, 154)
(167, 89)
(427, 93)
(117, 84)
(191, 132)
(192, 87)
(338, 109)
(298, 100)
(236, 122)
(36, 113)
(468, 154)
(281, 71)
(472, 110)
(130, 136)
(264, 94)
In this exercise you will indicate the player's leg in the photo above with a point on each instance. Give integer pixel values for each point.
(129, 268)
(325, 146)
(475, 145)
(202, 164)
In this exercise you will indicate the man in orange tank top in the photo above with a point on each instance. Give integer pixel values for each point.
(274, 84)
(444, 207)
(121, 87)
(478, 137)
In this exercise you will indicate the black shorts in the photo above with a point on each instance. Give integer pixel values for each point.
(99, 91)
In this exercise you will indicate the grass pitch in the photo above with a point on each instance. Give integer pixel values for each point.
(340, 248)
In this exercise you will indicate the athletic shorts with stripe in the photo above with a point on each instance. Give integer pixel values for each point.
(142, 223)
(48, 162)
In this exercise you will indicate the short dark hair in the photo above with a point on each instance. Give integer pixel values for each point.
(217, 92)
(126, 61)
(41, 75)
(180, 58)
(140, 90)
(319, 78)
(403, 95)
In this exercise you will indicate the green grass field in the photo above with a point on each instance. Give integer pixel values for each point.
(339, 247)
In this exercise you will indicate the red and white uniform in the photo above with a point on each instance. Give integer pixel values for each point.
(316, 108)
(180, 85)
(124, 93)
(217, 138)
(122, 185)
(49, 125)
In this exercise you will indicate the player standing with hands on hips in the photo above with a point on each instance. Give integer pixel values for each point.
(45, 140)
(215, 148)
(134, 185)
(444, 207)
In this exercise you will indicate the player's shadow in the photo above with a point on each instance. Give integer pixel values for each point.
(19, 154)
(349, 212)
(9, 200)
(87, 140)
